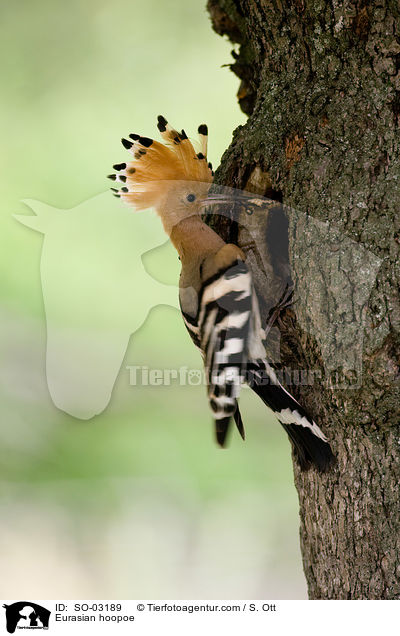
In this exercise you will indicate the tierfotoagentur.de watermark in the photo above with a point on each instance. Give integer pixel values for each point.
(141, 375)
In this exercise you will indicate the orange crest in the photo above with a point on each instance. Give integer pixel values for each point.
(146, 178)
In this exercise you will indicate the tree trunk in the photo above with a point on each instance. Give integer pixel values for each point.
(321, 86)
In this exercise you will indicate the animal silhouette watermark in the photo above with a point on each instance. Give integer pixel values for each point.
(96, 292)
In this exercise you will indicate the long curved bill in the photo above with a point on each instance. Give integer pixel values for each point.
(234, 197)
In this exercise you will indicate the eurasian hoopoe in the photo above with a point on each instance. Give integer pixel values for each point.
(218, 302)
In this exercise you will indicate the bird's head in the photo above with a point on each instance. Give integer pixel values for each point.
(171, 177)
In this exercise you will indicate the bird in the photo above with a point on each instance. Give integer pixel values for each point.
(217, 298)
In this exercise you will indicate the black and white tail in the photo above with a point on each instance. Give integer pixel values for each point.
(310, 444)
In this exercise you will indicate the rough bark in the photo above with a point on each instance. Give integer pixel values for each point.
(320, 81)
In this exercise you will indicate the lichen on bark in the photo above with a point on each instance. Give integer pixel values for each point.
(320, 81)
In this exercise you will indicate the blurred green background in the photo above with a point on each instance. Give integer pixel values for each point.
(137, 502)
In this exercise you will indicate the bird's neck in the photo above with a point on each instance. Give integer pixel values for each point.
(192, 237)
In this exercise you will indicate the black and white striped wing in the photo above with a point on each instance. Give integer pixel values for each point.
(224, 331)
(192, 327)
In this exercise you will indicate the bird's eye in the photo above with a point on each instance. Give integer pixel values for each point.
(191, 198)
